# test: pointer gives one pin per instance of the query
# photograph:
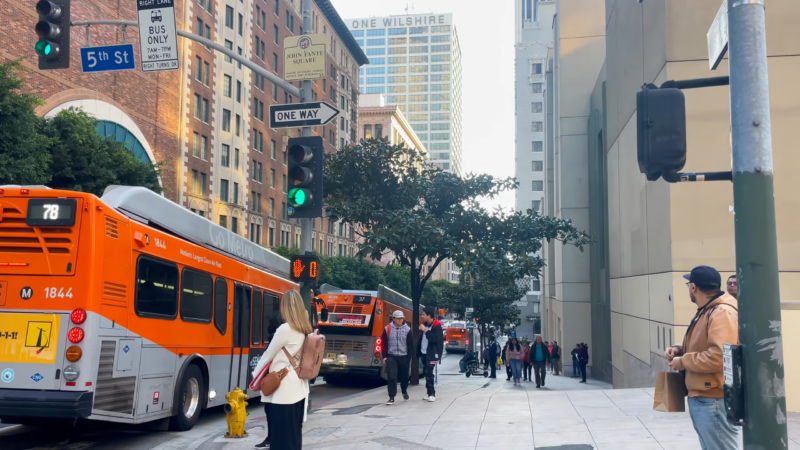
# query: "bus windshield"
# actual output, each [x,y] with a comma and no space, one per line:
[348,314]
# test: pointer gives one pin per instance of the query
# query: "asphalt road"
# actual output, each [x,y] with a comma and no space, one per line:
[108,436]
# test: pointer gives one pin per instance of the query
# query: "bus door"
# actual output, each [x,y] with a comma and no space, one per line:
[256,348]
[241,334]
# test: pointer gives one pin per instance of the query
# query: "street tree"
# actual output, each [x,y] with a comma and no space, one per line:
[422,216]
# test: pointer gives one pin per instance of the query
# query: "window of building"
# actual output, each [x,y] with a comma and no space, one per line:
[272,178]
[367,131]
[229,17]
[397,89]
[440,38]
[398,60]
[198,107]
[440,58]
[537,107]
[223,191]
[440,48]
[275,62]
[238,125]
[205,110]
[418,87]
[376,41]
[272,149]
[397,31]
[440,67]
[440,126]
[537,126]
[198,69]
[536,205]
[417,30]
[204,148]
[156,288]
[225,155]
[537,185]
[196,145]
[376,32]
[376,51]
[197,301]
[223,221]
[396,51]
[418,49]
[537,146]
[440,77]
[229,46]
[375,90]
[226,120]
[236,193]
[379,131]
[271,213]
[235,225]
[376,80]
[397,41]
[240,25]
[203,184]
[537,88]
[440,97]
[376,70]
[441,29]
[537,166]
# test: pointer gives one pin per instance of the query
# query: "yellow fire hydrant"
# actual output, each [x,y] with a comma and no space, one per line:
[236,413]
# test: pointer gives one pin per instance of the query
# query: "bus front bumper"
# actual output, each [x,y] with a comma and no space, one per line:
[45,404]
[350,370]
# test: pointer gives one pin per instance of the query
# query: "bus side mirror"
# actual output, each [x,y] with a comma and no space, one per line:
[324,314]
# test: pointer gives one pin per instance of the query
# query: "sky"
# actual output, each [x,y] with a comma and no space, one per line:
[486,36]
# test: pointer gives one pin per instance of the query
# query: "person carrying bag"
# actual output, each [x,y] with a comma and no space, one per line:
[283,372]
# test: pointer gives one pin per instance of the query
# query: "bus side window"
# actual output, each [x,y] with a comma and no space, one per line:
[256,329]
[197,302]
[272,317]
[156,288]
[221,305]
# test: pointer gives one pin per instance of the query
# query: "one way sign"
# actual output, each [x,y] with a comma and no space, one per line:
[301,115]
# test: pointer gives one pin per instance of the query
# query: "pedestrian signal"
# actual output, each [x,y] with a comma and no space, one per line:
[661,128]
[304,268]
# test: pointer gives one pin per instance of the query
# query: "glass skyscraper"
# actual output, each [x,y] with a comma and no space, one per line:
[415,61]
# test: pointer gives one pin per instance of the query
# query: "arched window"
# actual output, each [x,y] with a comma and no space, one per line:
[121,134]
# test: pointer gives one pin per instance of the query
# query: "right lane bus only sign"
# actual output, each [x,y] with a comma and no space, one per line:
[158,40]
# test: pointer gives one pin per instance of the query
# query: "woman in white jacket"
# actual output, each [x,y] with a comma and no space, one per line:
[286,407]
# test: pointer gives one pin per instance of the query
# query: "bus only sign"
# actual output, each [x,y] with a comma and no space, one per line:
[304,268]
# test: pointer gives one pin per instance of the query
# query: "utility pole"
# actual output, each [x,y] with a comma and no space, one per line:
[471,316]
[756,242]
[305,222]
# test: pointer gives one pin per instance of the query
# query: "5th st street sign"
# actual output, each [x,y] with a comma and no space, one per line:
[301,115]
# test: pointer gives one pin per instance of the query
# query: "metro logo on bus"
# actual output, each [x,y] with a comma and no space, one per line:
[304,268]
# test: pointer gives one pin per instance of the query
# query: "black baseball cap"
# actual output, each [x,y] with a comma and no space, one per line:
[704,277]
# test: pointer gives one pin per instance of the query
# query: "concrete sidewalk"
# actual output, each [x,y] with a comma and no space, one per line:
[479,413]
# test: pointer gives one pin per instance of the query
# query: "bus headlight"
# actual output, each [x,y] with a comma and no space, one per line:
[71,372]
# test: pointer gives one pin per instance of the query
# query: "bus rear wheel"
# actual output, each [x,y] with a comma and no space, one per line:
[191,399]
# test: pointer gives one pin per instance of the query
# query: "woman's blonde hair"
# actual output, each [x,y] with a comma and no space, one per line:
[293,312]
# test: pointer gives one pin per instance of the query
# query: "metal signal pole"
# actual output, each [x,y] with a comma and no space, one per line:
[306,243]
[756,241]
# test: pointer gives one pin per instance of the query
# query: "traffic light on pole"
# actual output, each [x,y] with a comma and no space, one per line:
[661,146]
[305,177]
[53,31]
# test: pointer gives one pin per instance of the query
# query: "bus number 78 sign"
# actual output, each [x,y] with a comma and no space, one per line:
[304,268]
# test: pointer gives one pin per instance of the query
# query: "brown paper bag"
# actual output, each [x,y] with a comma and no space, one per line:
[670,392]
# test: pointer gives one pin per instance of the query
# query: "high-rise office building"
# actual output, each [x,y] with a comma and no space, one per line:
[415,60]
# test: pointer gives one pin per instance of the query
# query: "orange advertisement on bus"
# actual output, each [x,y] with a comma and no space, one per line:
[127,308]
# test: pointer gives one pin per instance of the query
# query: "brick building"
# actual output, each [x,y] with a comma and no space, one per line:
[206,123]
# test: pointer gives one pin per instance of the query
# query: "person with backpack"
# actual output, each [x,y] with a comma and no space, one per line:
[292,358]
[396,354]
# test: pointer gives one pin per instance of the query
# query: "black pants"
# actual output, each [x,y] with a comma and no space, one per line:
[397,366]
[429,378]
[285,424]
[583,370]
[526,370]
[493,368]
[508,371]
[539,371]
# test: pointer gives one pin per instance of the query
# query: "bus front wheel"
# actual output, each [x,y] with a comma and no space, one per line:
[191,399]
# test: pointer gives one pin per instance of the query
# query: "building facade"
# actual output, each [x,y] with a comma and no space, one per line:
[415,60]
[626,296]
[533,37]
[207,123]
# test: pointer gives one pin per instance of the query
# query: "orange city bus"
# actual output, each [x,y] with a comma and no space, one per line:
[127,308]
[353,328]
[456,337]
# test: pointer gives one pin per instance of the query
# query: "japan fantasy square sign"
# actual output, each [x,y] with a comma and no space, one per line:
[158,39]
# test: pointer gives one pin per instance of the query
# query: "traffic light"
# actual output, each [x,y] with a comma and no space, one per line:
[661,118]
[305,177]
[53,31]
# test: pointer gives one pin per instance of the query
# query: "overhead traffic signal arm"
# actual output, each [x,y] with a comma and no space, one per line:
[661,131]
[53,30]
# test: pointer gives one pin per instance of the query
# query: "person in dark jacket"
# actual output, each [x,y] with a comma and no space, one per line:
[575,364]
[430,348]
[396,351]
[494,349]
[583,359]
[506,361]
[540,356]
[555,357]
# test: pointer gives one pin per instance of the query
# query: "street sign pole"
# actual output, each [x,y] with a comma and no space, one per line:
[305,222]
[756,242]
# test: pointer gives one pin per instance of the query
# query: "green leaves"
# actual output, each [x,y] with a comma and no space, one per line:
[423,215]
[62,152]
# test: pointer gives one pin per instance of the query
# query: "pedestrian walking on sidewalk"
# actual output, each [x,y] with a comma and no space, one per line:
[506,361]
[540,357]
[526,362]
[494,352]
[583,360]
[550,350]
[396,354]
[514,356]
[430,348]
[555,357]
[286,407]
[576,367]
[700,358]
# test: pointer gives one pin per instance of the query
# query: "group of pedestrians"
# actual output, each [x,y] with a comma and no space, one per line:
[580,357]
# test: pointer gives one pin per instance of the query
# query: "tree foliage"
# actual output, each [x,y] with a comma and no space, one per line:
[421,214]
[64,151]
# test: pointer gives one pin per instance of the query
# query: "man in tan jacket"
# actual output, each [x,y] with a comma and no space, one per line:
[700,358]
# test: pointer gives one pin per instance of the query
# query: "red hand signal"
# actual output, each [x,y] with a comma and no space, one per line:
[298,268]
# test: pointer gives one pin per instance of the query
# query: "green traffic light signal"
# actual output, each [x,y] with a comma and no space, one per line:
[298,197]
[43,48]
